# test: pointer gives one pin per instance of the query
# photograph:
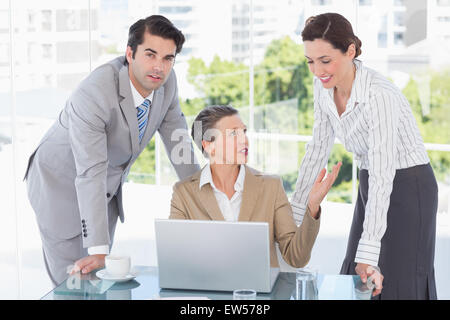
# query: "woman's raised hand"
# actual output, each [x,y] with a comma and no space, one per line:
[321,187]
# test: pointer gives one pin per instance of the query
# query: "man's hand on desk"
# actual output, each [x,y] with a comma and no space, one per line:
[89,263]
[321,187]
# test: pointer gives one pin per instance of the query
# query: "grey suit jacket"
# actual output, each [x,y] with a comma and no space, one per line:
[76,173]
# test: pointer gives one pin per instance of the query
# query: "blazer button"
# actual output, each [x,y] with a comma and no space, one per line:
[85,235]
[83,221]
[84,230]
[108,195]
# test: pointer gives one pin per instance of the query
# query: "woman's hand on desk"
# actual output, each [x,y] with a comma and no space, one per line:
[321,187]
[89,263]
[365,271]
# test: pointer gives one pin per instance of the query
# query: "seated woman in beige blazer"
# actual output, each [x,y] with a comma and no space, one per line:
[227,189]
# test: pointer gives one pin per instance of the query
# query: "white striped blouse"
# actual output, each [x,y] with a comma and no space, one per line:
[379,128]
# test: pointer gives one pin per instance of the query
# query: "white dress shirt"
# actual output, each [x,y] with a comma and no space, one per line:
[379,128]
[138,100]
[230,208]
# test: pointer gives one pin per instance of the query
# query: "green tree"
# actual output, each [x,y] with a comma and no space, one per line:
[283,75]
[285,72]
[435,124]
[143,169]
[222,82]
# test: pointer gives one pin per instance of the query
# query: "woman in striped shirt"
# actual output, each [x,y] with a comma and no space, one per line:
[392,236]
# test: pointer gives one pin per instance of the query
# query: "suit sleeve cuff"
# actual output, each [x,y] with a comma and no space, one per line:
[368,252]
[98,250]
[309,220]
[309,212]
[298,211]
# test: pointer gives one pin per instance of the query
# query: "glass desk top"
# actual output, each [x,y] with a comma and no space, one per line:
[146,287]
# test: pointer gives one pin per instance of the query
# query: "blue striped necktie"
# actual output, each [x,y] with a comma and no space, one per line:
[142,116]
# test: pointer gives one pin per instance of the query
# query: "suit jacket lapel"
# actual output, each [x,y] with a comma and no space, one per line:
[207,198]
[252,187]
[128,108]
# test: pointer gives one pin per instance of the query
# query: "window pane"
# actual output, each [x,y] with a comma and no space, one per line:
[342,187]
[8,253]
[398,38]
[443,3]
[399,19]
[51,57]
[407,41]
[365,2]
[273,155]
[414,55]
[321,2]
[283,89]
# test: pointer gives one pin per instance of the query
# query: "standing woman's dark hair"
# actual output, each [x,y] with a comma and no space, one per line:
[334,28]
[156,25]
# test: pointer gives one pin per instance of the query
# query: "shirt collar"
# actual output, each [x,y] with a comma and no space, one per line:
[360,88]
[137,98]
[206,177]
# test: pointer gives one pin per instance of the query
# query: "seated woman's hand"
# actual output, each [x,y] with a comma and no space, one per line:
[321,187]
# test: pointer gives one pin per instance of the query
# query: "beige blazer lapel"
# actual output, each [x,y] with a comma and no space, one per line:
[252,188]
[128,108]
[207,198]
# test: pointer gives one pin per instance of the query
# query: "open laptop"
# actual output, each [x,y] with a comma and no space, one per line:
[214,255]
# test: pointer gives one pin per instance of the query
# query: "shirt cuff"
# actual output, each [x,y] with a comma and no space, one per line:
[318,213]
[98,250]
[368,252]
[298,211]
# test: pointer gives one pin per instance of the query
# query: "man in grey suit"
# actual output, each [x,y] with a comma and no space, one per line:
[75,176]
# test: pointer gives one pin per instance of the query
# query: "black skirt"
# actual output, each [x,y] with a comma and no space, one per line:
[407,248]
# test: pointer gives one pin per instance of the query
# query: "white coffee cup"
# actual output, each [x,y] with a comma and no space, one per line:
[118,266]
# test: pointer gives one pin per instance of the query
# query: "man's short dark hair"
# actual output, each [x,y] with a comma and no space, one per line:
[208,118]
[158,26]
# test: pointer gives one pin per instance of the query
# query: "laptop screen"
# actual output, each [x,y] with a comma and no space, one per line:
[213,255]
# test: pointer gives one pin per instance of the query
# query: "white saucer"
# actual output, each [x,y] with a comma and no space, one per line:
[102,274]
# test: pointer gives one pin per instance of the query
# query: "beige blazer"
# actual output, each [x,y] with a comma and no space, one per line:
[263,200]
